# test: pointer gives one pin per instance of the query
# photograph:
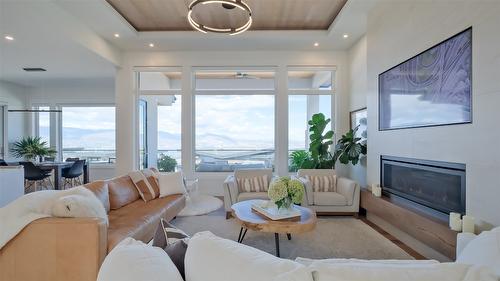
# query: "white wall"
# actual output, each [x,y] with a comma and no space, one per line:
[74,91]
[357,87]
[398,30]
[14,96]
[212,183]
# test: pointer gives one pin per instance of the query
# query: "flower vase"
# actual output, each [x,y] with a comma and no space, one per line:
[286,206]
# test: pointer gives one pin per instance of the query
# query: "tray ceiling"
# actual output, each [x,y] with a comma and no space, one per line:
[170,15]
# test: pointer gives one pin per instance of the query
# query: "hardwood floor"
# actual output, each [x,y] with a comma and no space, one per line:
[394,240]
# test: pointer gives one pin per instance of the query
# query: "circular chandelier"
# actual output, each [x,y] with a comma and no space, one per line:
[228,4]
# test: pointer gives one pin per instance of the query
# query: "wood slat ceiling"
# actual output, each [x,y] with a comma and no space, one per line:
[170,15]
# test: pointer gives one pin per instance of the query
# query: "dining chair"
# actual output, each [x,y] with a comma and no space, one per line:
[72,159]
[34,175]
[72,174]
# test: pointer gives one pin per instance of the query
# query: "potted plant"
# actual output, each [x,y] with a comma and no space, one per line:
[31,148]
[350,148]
[318,156]
[166,163]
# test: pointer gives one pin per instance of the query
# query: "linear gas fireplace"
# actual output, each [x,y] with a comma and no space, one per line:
[431,186]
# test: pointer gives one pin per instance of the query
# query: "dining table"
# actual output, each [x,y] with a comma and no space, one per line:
[57,168]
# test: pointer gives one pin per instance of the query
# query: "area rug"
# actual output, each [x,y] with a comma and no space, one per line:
[334,237]
[200,204]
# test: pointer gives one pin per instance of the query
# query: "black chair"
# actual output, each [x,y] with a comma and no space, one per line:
[72,159]
[3,163]
[34,175]
[72,175]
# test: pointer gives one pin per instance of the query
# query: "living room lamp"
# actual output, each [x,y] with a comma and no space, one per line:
[228,4]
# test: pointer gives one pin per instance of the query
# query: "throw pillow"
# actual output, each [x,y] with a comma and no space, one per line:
[133,260]
[173,241]
[253,184]
[79,206]
[323,183]
[177,253]
[171,183]
[167,233]
[152,178]
[146,191]
[483,250]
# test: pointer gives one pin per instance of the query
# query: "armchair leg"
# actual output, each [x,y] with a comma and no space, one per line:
[228,215]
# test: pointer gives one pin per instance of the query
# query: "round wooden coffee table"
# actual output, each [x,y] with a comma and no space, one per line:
[252,220]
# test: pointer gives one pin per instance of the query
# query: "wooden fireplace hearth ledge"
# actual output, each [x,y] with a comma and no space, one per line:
[426,229]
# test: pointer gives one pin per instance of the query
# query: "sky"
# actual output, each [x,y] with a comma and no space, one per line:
[244,122]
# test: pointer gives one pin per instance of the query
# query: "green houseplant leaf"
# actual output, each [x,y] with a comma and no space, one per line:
[350,148]
[31,147]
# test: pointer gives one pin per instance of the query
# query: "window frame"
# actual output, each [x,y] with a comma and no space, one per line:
[233,92]
[5,128]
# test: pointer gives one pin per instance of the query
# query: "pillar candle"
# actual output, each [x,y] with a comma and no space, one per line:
[455,222]
[468,224]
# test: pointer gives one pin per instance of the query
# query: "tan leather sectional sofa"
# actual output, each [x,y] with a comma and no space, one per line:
[58,249]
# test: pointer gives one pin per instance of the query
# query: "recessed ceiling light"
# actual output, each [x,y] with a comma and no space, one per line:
[151,45]
[8,37]
[346,35]
[117,35]
[316,44]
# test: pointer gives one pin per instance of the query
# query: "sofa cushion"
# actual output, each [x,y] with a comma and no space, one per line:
[211,258]
[122,191]
[140,219]
[367,271]
[133,260]
[101,191]
[483,250]
[329,199]
[253,184]
[323,183]
[252,195]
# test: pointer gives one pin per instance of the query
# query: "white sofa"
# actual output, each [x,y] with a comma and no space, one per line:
[344,201]
[211,258]
[232,192]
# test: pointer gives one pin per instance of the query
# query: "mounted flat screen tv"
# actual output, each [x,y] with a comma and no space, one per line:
[432,88]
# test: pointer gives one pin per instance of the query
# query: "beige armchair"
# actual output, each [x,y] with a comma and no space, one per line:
[327,193]
[246,185]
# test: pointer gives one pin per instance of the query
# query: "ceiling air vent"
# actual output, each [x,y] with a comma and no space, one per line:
[34,69]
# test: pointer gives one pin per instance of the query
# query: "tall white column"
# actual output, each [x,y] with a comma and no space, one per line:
[281,122]
[126,122]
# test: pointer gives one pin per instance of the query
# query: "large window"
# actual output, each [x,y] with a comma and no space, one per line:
[2,130]
[43,124]
[160,119]
[310,92]
[169,133]
[89,133]
[234,120]
[233,132]
[301,108]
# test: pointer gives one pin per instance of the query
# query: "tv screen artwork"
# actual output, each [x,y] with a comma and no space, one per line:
[433,88]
